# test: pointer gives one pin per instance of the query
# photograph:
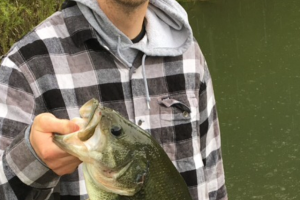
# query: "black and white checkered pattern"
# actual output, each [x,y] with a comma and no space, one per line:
[60,65]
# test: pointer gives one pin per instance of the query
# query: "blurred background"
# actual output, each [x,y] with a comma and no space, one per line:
[17,17]
[252,48]
[253,52]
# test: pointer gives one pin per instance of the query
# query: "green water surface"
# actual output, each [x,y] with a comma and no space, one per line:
[253,51]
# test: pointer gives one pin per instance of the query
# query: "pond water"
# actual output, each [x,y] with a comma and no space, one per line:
[253,51]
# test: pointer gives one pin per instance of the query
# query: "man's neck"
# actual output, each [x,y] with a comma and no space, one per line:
[128,19]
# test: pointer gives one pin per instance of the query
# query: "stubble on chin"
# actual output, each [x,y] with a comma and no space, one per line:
[130,3]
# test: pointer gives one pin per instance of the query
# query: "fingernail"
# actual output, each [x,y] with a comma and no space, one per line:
[75,127]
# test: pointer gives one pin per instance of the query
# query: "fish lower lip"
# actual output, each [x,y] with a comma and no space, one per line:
[116,172]
[107,179]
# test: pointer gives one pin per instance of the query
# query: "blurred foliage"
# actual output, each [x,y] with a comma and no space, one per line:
[18,17]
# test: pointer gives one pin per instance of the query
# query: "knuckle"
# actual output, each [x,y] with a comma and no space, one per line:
[44,118]
[43,155]
[63,170]
[47,155]
[51,165]
[70,170]
[54,166]
[41,120]
[58,172]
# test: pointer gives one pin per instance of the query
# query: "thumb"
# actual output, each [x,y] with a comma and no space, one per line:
[67,126]
[48,123]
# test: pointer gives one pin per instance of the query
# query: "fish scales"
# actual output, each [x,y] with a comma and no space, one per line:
[121,160]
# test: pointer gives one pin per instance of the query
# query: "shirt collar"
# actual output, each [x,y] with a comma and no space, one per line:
[78,27]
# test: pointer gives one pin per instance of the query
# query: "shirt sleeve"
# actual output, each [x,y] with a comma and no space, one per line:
[211,140]
[22,174]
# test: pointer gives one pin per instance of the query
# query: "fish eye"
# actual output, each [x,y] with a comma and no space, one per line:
[116,130]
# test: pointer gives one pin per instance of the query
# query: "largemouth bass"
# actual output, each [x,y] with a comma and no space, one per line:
[121,160]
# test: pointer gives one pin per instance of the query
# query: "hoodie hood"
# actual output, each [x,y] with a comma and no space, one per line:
[168,32]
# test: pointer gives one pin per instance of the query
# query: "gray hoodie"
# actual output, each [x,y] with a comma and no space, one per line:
[168,32]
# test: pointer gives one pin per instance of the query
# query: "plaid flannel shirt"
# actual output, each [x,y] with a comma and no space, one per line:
[60,65]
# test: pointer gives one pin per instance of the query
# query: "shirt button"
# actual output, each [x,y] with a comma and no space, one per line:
[140,122]
[185,114]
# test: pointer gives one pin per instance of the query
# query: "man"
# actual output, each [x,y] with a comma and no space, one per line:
[134,56]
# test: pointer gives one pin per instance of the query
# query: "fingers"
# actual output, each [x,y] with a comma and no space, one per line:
[64,165]
[51,152]
[41,138]
[48,123]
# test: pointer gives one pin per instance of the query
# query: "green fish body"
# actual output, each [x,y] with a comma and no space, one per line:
[121,160]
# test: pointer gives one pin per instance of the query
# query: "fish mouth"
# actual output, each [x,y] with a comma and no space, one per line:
[116,172]
[90,111]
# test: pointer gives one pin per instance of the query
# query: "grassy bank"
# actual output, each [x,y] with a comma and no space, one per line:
[20,16]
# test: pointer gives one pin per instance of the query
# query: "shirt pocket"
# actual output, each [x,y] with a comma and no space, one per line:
[178,107]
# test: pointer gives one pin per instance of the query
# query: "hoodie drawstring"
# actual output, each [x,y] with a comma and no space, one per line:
[119,52]
[148,99]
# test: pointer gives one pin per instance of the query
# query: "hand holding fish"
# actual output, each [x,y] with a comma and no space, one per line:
[120,159]
[41,138]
